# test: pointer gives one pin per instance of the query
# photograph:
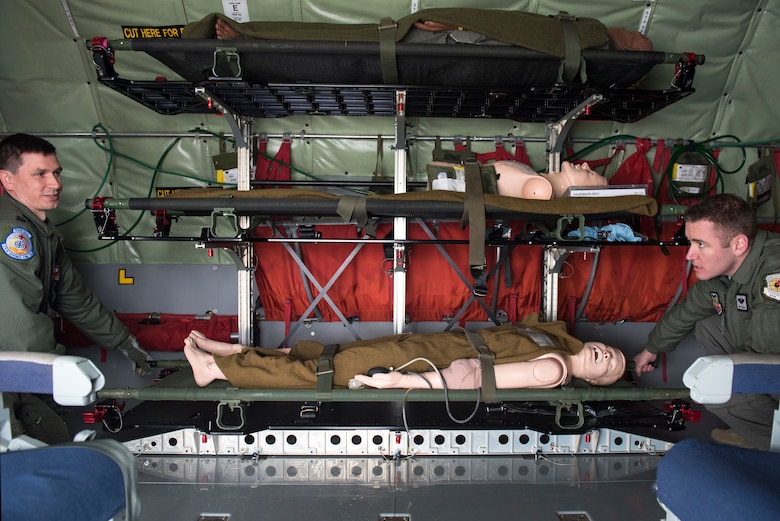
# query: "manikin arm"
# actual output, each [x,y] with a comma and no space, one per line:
[544,372]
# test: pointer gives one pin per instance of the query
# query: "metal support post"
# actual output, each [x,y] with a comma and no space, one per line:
[242,132]
[245,281]
[552,259]
[399,223]
[556,132]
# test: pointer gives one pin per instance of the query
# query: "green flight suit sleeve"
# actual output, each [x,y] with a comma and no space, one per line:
[77,304]
[681,319]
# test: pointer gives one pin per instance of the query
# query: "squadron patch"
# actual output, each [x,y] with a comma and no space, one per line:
[742,302]
[18,244]
[772,286]
[716,302]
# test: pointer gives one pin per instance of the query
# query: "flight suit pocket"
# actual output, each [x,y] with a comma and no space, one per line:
[762,329]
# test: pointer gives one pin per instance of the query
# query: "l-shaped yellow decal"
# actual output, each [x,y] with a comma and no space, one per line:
[124,279]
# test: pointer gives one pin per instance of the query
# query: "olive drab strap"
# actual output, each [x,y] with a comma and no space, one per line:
[387,30]
[353,208]
[474,216]
[325,372]
[571,42]
[379,169]
[485,357]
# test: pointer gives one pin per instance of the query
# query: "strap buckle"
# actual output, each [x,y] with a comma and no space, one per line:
[227,63]
[387,23]
[309,410]
[325,367]
[564,15]
[233,406]
[580,421]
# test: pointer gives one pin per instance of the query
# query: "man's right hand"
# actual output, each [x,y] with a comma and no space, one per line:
[644,362]
[137,356]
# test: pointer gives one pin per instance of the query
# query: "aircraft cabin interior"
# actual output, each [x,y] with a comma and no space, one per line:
[421,260]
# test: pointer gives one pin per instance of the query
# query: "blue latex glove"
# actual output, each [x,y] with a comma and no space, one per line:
[618,232]
[591,233]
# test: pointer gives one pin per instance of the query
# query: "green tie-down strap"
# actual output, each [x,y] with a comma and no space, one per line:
[353,208]
[571,41]
[325,372]
[485,357]
[387,29]
[474,217]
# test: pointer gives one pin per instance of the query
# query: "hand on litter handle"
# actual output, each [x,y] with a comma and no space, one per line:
[138,357]
[644,362]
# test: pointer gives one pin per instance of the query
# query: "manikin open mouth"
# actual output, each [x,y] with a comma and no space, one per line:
[597,354]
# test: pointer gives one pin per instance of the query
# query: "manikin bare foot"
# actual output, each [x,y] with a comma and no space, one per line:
[204,369]
[215,347]
[224,31]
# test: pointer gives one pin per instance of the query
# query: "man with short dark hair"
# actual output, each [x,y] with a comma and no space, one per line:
[37,279]
[733,307]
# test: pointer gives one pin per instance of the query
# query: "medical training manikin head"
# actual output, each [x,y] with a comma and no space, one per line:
[574,175]
[598,364]
[517,179]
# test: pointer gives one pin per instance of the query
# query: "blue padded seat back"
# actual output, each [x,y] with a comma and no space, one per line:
[26,377]
[697,480]
[755,379]
[58,483]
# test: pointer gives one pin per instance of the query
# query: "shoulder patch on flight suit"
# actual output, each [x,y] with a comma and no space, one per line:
[771,288]
[716,302]
[18,244]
